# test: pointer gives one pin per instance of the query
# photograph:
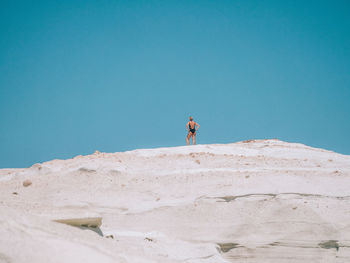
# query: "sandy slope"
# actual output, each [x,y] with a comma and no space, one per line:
[257,201]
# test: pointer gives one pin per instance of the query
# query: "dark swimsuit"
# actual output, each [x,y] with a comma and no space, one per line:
[192,130]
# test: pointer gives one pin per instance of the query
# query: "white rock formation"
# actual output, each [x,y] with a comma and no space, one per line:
[255,201]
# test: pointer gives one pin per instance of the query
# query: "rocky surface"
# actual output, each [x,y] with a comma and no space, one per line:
[254,201]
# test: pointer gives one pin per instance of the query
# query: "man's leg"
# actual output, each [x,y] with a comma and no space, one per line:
[194,139]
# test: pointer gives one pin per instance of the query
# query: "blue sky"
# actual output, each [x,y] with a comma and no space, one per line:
[80,76]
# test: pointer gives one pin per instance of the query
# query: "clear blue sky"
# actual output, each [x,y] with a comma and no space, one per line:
[80,76]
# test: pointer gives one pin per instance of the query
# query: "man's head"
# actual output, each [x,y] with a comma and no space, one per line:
[191,119]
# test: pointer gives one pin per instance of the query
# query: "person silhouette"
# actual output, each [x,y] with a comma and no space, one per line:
[191,127]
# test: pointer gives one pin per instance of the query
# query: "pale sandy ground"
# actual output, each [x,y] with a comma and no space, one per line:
[258,201]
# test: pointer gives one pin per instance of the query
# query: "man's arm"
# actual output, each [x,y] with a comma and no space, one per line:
[187,126]
[197,125]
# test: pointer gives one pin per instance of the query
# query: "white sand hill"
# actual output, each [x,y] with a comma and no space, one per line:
[255,201]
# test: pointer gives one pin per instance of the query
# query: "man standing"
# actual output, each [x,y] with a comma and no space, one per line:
[191,127]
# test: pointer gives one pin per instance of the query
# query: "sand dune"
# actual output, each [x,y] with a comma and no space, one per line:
[254,201]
